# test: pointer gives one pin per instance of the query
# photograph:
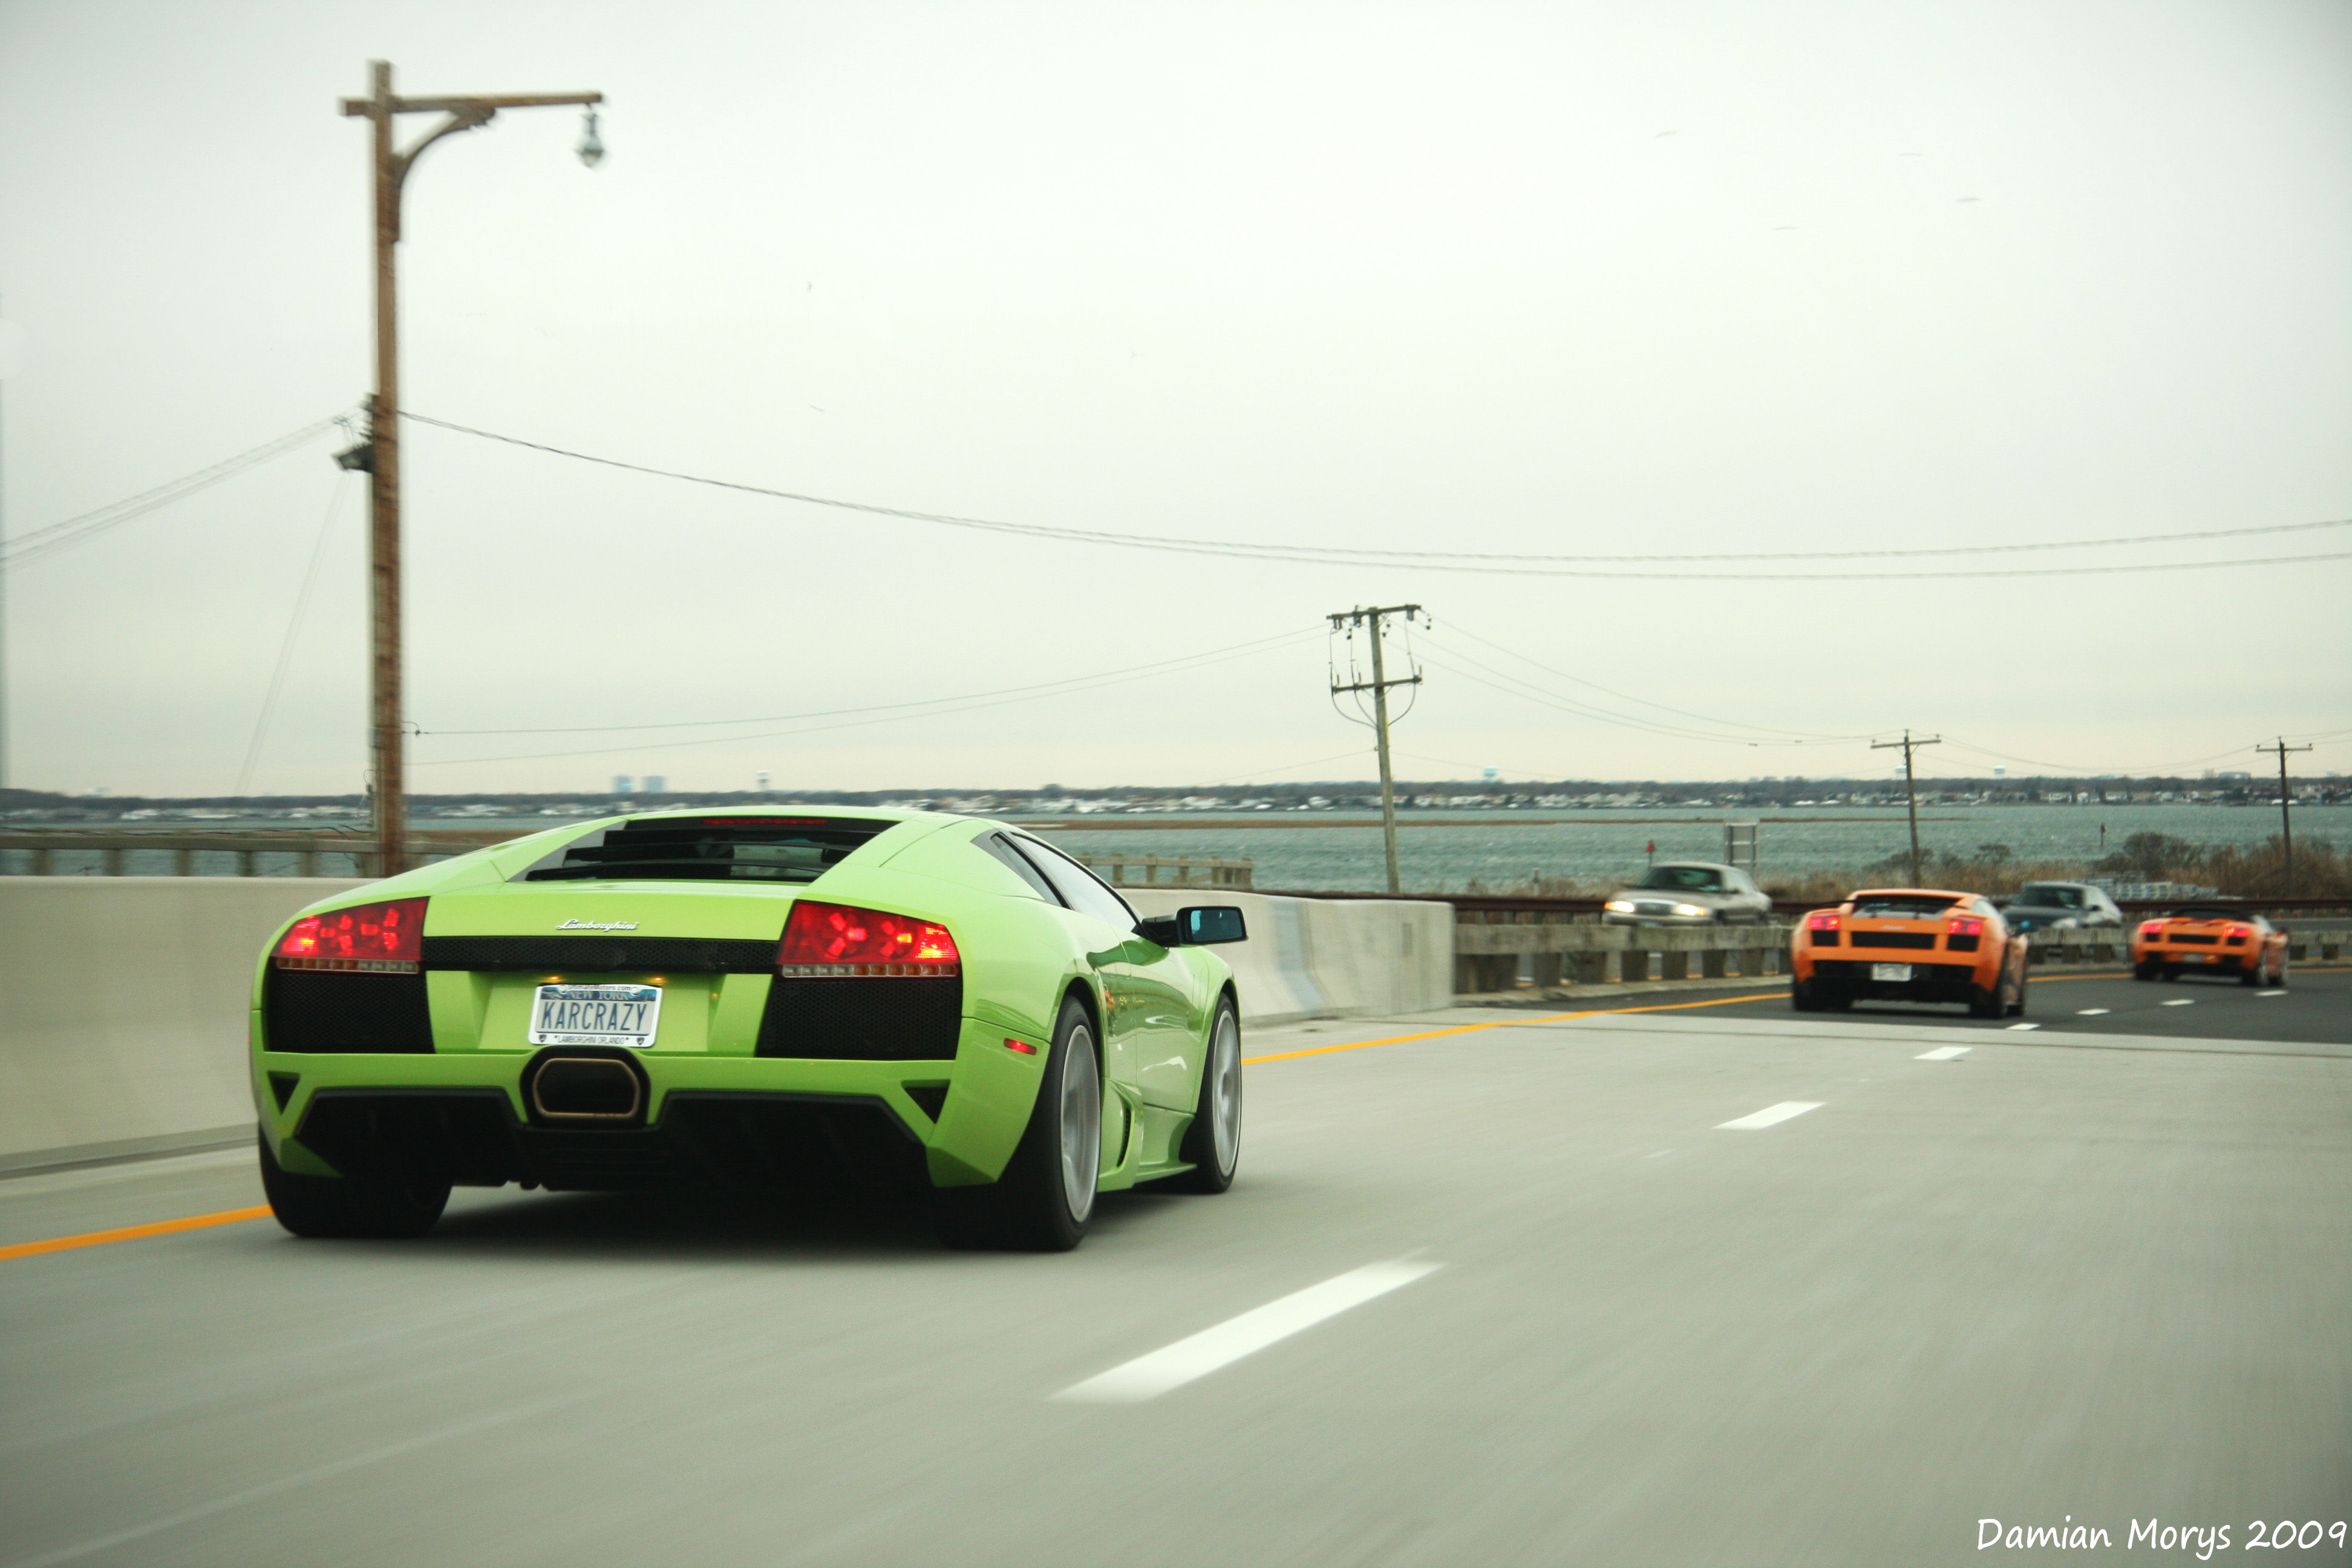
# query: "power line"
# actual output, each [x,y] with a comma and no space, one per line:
[951,705]
[1162,664]
[80,530]
[1644,701]
[1453,561]
[286,646]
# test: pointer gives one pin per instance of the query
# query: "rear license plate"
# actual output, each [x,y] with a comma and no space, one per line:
[2209,958]
[1890,972]
[595,1016]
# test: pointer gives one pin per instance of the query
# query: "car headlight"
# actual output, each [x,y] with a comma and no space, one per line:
[1688,910]
[1618,906]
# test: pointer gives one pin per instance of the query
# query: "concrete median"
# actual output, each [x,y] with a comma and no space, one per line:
[126,1010]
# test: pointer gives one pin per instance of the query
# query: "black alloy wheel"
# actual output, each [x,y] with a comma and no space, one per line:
[349,1207]
[1045,1197]
[1214,1142]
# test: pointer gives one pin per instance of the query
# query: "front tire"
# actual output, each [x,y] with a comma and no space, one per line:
[1213,1142]
[347,1206]
[1045,1197]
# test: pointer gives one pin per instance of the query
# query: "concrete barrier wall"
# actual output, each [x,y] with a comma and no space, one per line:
[122,999]
[1316,958]
[122,1009]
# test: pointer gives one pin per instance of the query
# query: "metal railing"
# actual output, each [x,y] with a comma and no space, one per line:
[1183,870]
[137,854]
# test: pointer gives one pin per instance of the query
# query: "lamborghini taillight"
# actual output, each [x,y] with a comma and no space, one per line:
[841,940]
[2151,928]
[1968,925]
[367,939]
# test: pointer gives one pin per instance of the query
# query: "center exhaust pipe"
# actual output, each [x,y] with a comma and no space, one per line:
[571,1087]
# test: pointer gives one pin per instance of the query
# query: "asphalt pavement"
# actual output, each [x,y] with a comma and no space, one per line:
[1707,1283]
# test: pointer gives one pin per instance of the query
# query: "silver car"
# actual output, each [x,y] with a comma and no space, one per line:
[1689,893]
[2060,906]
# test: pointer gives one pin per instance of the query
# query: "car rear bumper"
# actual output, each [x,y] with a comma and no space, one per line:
[2229,961]
[1929,981]
[700,1119]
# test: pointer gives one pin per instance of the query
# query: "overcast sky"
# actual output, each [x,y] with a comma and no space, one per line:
[1631,278]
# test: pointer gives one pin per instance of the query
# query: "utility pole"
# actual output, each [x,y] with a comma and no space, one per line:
[1378,686]
[1910,789]
[383,108]
[2286,822]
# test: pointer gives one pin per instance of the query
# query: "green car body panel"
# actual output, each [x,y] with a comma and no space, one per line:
[1021,955]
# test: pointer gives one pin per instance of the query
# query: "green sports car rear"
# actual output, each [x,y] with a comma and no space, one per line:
[749,999]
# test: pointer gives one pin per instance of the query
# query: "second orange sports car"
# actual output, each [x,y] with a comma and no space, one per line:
[2207,938]
[1908,944]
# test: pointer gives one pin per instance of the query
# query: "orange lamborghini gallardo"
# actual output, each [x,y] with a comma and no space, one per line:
[1908,944]
[2202,939]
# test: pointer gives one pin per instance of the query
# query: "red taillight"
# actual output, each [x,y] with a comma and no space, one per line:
[1821,922]
[840,940]
[1967,926]
[2240,933]
[378,939]
[2151,928]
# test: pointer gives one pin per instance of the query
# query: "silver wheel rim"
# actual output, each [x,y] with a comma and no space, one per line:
[1081,1123]
[1226,1091]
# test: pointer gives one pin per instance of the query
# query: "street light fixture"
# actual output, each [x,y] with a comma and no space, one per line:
[383,108]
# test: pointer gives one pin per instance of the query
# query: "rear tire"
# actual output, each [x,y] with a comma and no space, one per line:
[1985,1003]
[346,1206]
[1213,1142]
[1045,1197]
[2143,972]
[1802,999]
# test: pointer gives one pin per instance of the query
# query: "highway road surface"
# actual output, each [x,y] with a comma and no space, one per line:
[1707,1283]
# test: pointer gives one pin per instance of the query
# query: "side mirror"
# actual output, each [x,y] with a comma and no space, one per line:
[1203,925]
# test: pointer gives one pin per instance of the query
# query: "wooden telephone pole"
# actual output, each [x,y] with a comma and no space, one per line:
[1910,790]
[1379,687]
[382,108]
[2286,822]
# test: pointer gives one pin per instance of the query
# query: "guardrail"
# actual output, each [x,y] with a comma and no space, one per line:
[76,853]
[1184,871]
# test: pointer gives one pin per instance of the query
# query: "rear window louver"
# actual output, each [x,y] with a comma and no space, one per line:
[788,850]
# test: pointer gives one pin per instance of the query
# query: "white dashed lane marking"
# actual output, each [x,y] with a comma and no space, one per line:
[2270,992]
[1770,1116]
[2180,1001]
[2025,1025]
[2089,1012]
[1944,1054]
[1150,1376]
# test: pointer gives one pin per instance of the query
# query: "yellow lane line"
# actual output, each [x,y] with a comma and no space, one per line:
[1505,1024]
[131,1232]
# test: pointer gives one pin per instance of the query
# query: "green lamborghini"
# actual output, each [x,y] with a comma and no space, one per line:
[759,999]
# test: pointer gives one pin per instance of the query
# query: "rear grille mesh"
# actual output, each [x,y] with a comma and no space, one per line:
[2198,941]
[897,1019]
[324,1011]
[604,955]
[1891,938]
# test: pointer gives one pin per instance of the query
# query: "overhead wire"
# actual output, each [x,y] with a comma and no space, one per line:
[1453,561]
[286,644]
[1646,703]
[1168,665]
[61,536]
[961,706]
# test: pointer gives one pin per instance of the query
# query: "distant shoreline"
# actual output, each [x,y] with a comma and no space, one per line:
[1113,824]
